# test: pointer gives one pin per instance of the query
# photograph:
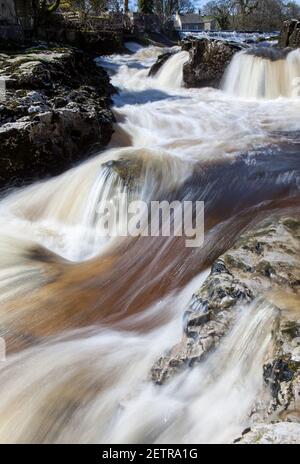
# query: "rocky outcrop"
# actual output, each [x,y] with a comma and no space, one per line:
[290,34]
[262,260]
[56,107]
[208,61]
[264,264]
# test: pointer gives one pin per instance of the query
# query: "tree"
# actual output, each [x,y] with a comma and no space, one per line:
[146,6]
[220,10]
[292,10]
[167,8]
[268,16]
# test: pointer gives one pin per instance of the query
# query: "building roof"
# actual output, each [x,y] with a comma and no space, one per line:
[193,18]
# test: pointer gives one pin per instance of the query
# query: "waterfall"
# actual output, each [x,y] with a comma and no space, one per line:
[262,74]
[85,317]
[171,73]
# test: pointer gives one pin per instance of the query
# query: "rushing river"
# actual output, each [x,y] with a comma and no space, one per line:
[85,316]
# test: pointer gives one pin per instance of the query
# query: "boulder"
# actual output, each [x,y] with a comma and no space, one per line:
[290,34]
[208,61]
[56,107]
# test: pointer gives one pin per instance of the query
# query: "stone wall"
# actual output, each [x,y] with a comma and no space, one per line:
[98,43]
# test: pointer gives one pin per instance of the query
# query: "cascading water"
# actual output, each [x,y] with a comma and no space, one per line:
[171,73]
[85,317]
[264,73]
[102,377]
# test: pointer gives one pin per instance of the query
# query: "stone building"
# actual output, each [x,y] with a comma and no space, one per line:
[192,22]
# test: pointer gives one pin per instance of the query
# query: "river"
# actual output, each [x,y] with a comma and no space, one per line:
[85,316]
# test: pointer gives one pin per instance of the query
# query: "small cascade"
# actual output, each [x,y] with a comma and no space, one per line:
[171,73]
[264,74]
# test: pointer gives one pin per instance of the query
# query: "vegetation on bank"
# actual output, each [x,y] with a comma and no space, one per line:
[230,14]
[263,15]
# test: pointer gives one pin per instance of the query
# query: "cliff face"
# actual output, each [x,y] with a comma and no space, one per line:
[290,34]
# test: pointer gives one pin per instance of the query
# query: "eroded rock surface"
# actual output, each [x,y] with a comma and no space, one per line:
[56,107]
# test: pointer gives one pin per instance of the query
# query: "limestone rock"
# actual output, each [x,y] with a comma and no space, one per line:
[283,433]
[262,261]
[57,106]
[208,61]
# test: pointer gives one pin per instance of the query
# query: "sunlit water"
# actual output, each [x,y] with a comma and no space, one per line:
[85,316]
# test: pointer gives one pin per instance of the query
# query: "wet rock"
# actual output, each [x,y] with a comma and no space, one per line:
[269,53]
[57,106]
[208,61]
[263,260]
[290,34]
[128,170]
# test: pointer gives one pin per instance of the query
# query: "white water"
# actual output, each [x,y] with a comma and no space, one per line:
[250,76]
[232,36]
[91,384]
[99,379]
[170,75]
